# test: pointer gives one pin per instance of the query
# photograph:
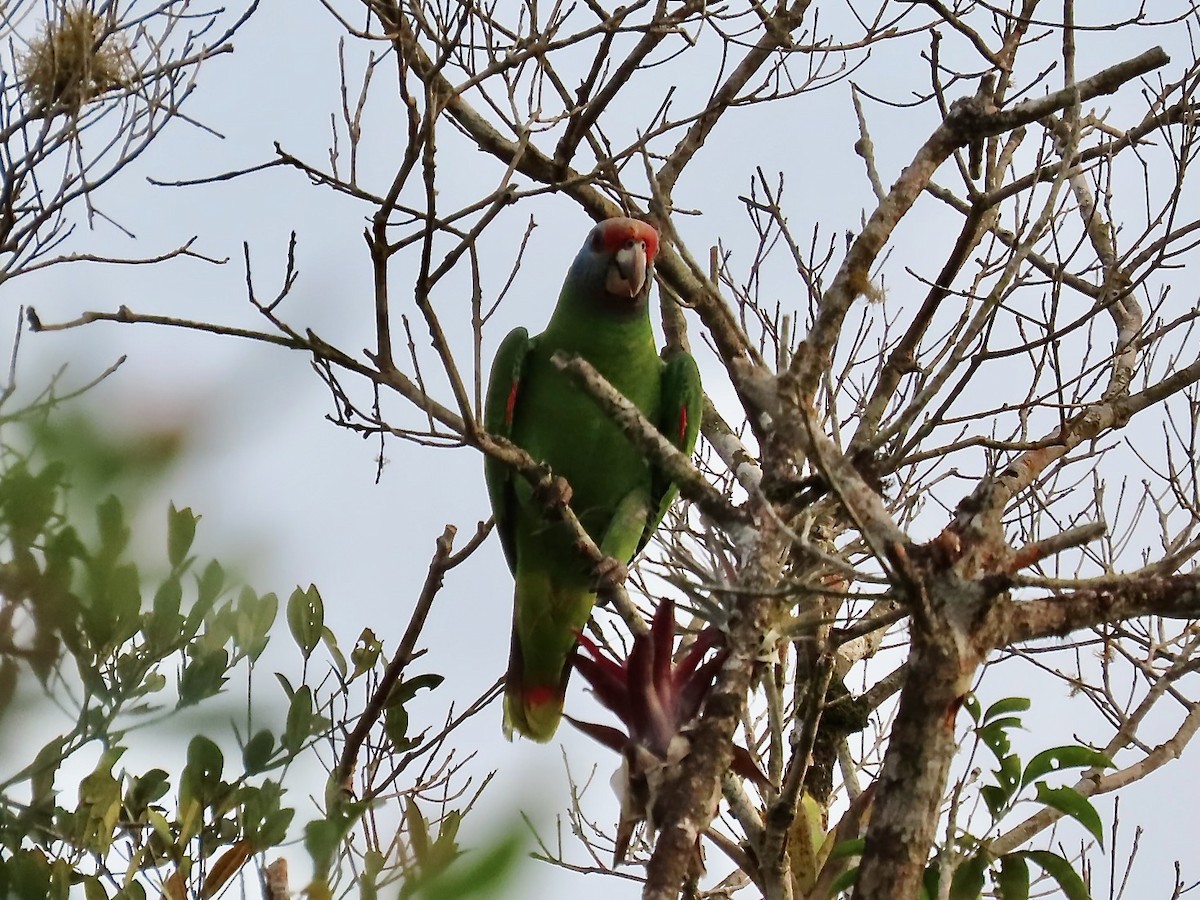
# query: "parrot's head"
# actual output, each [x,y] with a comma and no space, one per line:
[615,263]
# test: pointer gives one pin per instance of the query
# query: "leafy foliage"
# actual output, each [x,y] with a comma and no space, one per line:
[125,644]
[969,860]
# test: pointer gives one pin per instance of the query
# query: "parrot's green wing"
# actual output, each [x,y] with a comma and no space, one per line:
[499,405]
[680,410]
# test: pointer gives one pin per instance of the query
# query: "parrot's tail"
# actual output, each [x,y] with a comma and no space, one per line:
[531,710]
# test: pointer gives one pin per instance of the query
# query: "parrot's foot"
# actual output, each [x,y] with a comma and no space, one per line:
[611,573]
[554,492]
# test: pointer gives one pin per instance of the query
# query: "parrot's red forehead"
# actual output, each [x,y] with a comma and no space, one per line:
[614,233]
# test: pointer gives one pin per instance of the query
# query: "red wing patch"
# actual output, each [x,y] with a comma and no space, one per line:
[511,404]
[683,423]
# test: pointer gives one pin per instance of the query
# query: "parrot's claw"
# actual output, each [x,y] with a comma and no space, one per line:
[611,572]
[553,492]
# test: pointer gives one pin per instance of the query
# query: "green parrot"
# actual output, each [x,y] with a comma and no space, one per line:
[602,316]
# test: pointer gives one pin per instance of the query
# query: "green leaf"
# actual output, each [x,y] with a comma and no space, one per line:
[8,683]
[210,584]
[995,735]
[417,831]
[996,798]
[201,778]
[395,716]
[1058,758]
[181,531]
[366,653]
[481,874]
[1069,801]
[404,691]
[1060,870]
[852,847]
[203,677]
[844,882]
[967,883]
[275,827]
[253,620]
[306,618]
[1006,706]
[373,863]
[971,705]
[163,624]
[335,652]
[44,768]
[299,719]
[257,753]
[93,889]
[114,533]
[323,836]
[931,881]
[100,804]
[146,789]
[1012,881]
[27,874]
[27,501]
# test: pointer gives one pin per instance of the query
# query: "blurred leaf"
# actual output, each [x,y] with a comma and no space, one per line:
[114,533]
[257,753]
[967,883]
[227,865]
[146,789]
[335,652]
[852,847]
[1060,870]
[366,653]
[844,882]
[805,838]
[1058,758]
[1005,706]
[201,778]
[306,618]
[255,616]
[26,875]
[8,683]
[163,625]
[210,584]
[323,837]
[44,768]
[181,532]
[93,889]
[28,500]
[480,873]
[395,716]
[995,735]
[1070,802]
[971,705]
[1012,881]
[996,798]
[299,719]
[204,676]
[100,803]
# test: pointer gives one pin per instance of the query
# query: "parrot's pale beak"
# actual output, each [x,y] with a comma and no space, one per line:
[627,275]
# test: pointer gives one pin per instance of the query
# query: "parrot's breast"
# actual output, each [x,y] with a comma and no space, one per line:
[561,426]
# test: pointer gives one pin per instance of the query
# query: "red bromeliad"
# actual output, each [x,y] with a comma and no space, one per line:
[658,700]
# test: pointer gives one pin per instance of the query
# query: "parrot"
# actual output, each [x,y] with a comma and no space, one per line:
[620,497]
